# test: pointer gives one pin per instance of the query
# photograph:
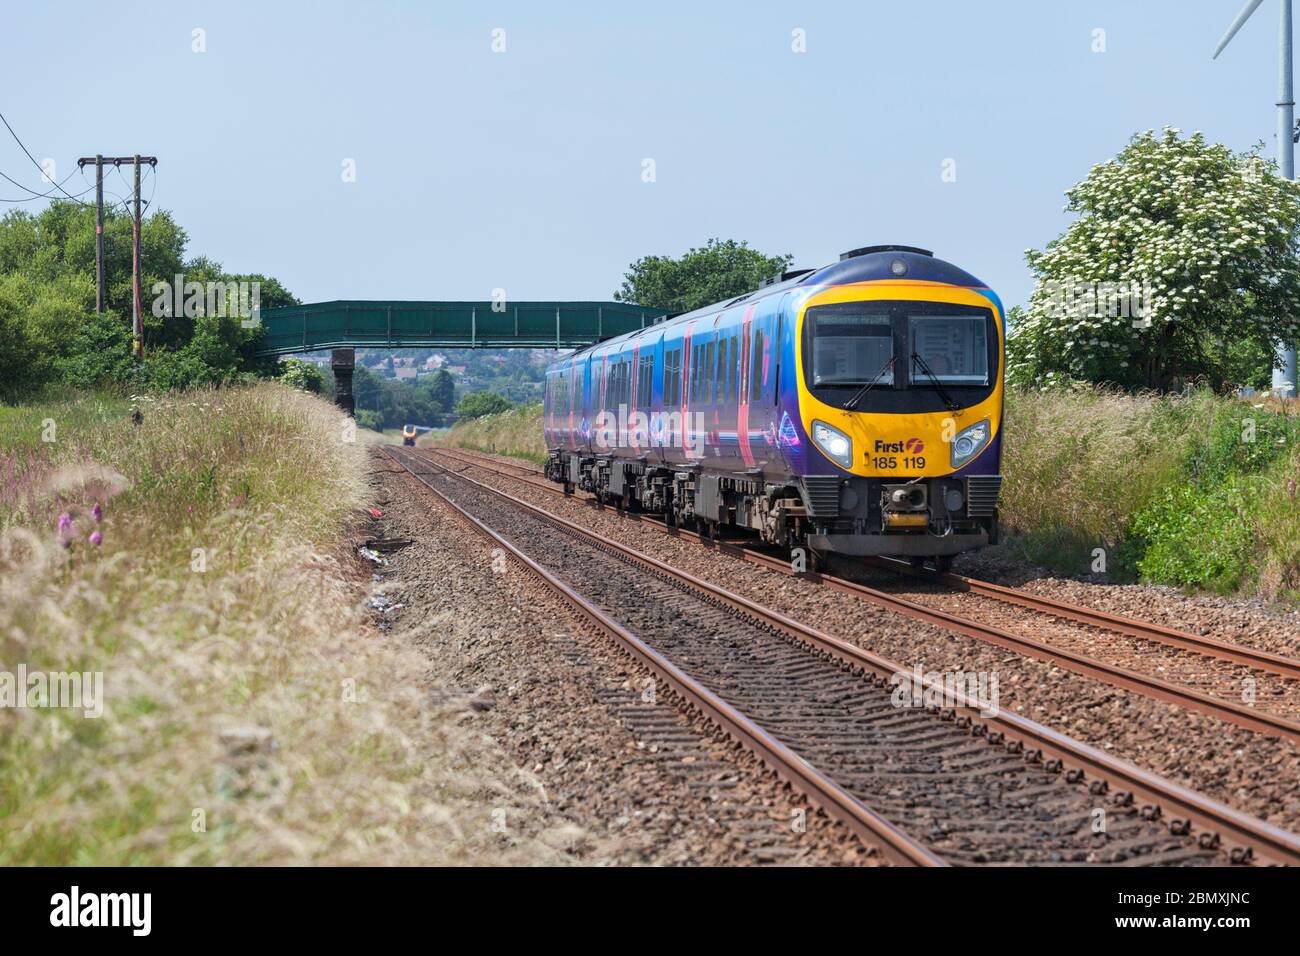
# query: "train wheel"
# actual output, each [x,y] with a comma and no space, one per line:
[943,563]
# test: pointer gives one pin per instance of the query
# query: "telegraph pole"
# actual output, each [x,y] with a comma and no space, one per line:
[99,234]
[137,314]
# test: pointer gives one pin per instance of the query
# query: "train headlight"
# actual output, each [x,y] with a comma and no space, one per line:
[969,443]
[834,442]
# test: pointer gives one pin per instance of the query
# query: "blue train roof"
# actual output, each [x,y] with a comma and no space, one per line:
[868,264]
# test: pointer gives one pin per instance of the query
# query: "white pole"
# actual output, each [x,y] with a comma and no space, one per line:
[1284,378]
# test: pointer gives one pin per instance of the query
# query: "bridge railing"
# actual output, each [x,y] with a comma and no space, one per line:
[407,324]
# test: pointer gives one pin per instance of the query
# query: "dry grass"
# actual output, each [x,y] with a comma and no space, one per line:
[517,433]
[251,696]
[1079,464]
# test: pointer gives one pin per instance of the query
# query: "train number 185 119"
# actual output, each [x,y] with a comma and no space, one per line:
[890,462]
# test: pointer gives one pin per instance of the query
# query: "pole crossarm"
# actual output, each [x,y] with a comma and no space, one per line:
[116,160]
[419,324]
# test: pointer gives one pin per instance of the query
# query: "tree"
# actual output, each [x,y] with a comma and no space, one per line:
[482,403]
[304,375]
[715,271]
[1182,265]
[47,284]
[442,391]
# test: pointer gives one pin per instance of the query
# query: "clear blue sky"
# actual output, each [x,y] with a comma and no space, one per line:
[522,170]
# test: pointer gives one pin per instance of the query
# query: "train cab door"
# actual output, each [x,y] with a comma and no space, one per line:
[764,369]
[585,408]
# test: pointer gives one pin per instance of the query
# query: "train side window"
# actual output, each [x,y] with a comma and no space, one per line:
[710,360]
[732,362]
[756,372]
[647,379]
[722,370]
[668,378]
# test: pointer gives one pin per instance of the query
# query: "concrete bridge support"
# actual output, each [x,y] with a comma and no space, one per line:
[342,361]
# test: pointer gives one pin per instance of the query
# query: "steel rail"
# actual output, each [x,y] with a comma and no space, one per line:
[1210,647]
[1278,664]
[1147,685]
[869,826]
[1214,820]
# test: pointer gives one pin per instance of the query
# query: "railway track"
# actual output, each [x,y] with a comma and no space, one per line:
[1211,674]
[951,782]
[1209,682]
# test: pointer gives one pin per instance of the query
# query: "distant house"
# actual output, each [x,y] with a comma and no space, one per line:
[405,372]
[456,369]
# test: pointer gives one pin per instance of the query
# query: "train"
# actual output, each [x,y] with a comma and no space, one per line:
[852,410]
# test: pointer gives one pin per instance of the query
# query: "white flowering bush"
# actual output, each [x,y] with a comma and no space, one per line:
[1181,266]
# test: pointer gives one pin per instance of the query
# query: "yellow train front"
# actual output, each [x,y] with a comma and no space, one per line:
[854,409]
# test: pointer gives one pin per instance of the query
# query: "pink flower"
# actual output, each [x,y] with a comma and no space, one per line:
[97,513]
[96,539]
[65,522]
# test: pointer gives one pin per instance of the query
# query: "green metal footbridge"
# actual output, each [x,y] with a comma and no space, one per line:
[398,324]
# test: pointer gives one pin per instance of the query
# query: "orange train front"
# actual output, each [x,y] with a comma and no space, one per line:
[854,409]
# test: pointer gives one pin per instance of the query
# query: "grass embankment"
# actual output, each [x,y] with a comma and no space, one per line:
[251,715]
[1194,490]
[517,433]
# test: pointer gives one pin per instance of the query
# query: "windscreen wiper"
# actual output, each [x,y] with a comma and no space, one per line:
[938,386]
[862,392]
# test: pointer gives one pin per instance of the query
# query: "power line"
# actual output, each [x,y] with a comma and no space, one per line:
[35,195]
[33,159]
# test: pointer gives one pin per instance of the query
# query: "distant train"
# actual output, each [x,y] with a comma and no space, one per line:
[854,409]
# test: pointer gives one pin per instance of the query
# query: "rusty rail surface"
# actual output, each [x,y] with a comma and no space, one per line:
[873,829]
[1210,819]
[1231,711]
[1207,646]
